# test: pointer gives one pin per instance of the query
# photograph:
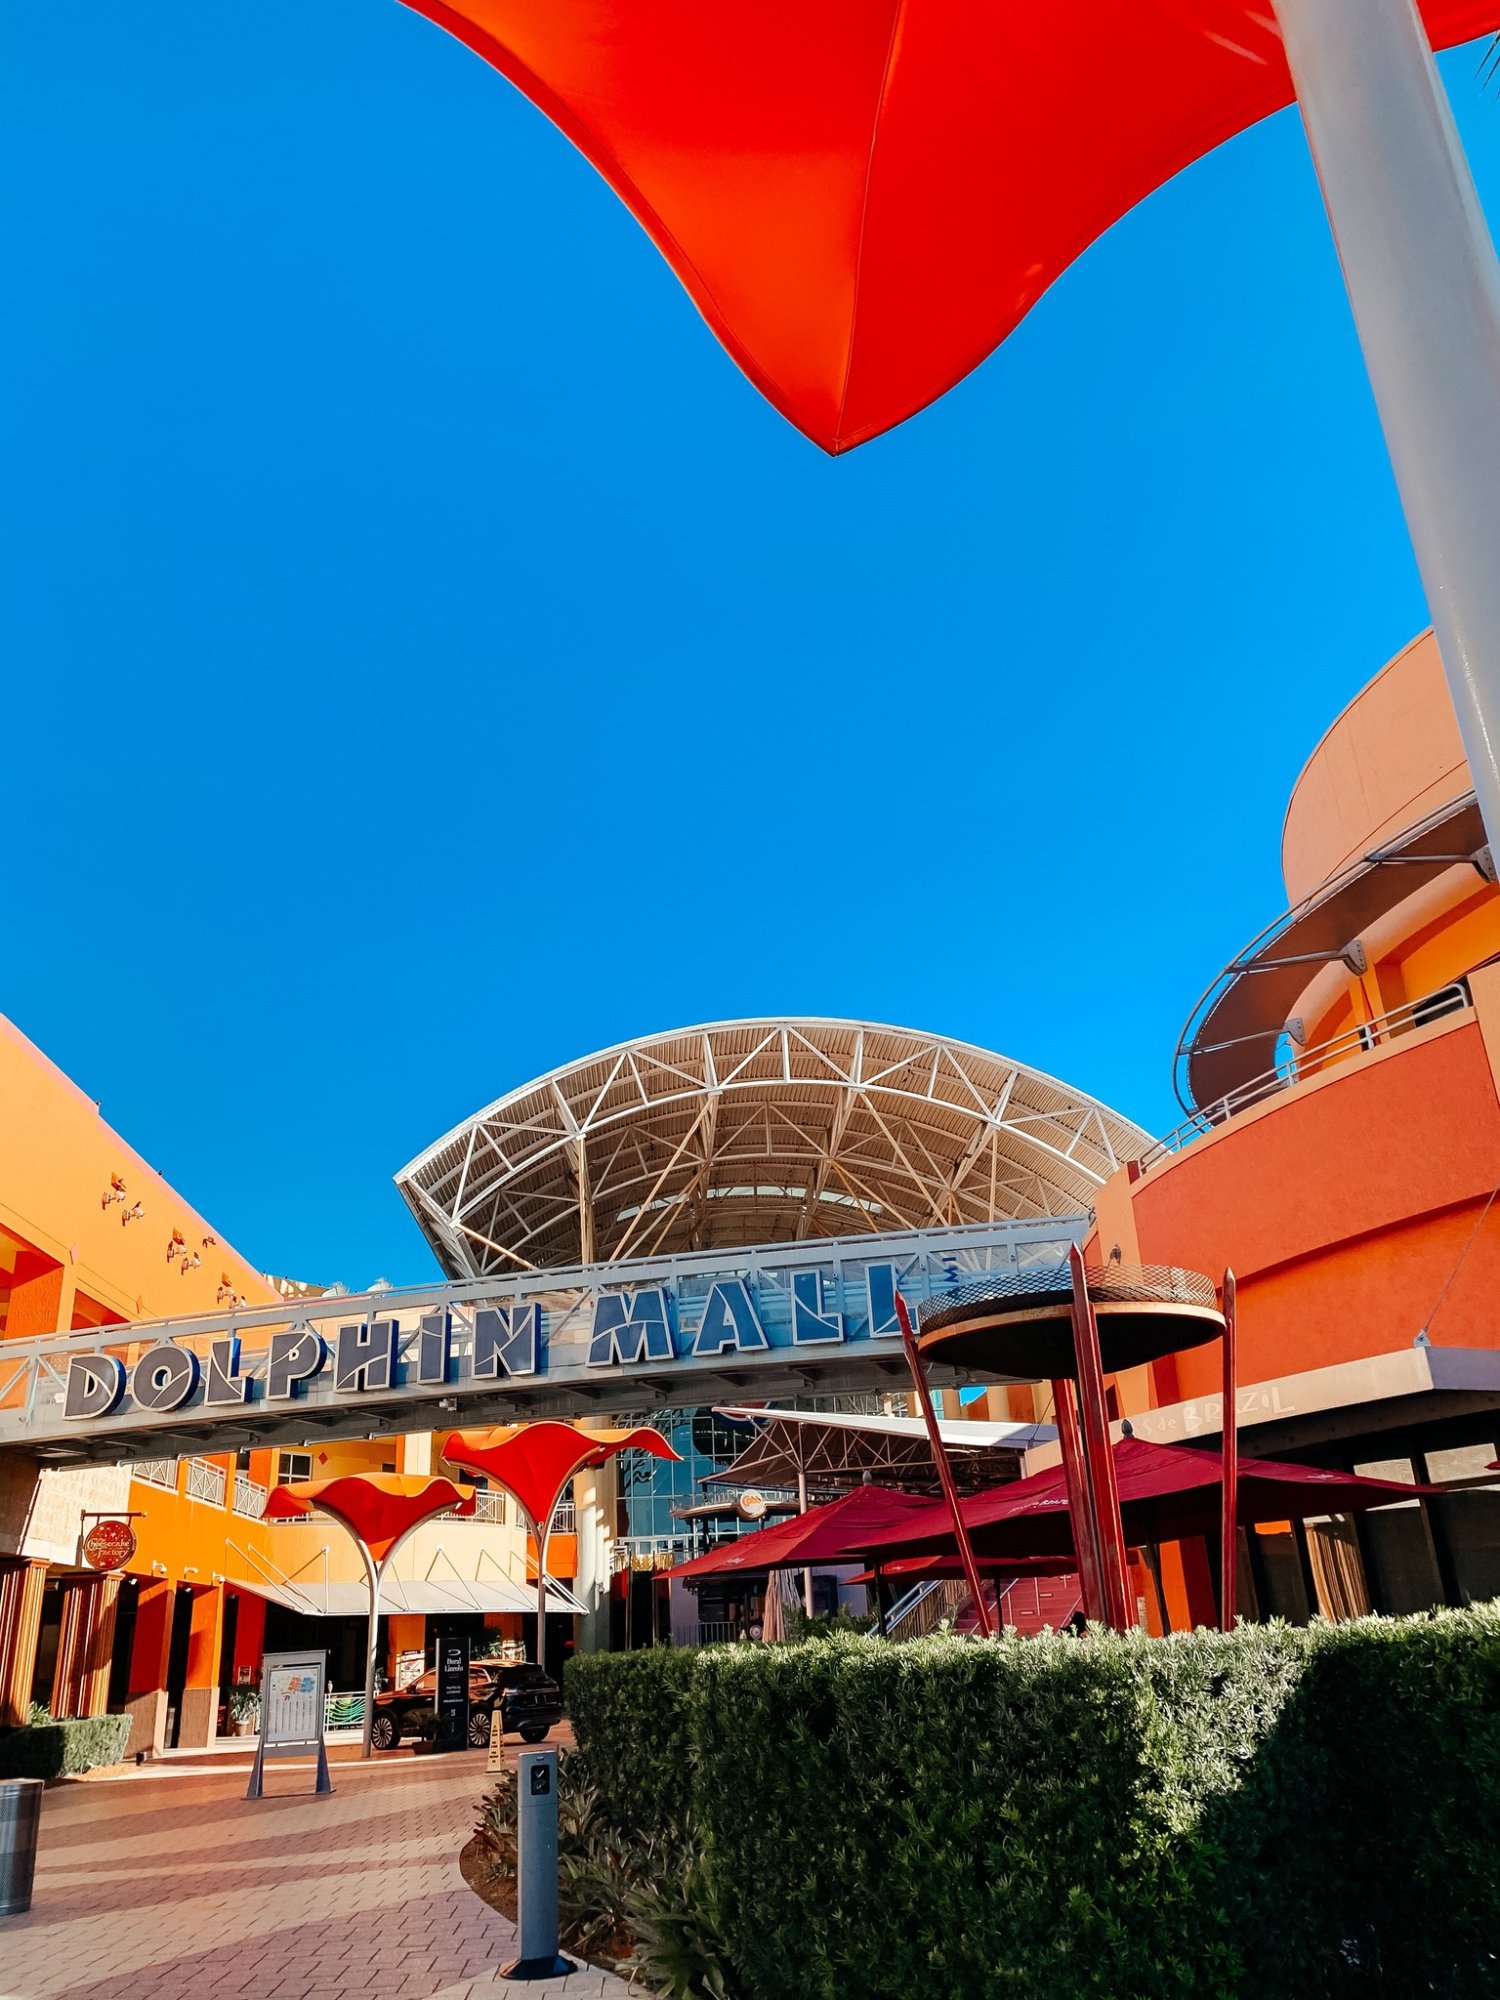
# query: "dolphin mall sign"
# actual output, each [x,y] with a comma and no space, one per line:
[814,1317]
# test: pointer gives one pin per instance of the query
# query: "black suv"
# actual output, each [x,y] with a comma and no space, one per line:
[530,1701]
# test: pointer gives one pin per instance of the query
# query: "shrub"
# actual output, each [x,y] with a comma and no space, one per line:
[1269,1815]
[62,1749]
[635,1728]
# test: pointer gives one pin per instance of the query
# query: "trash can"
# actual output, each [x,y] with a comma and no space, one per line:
[20,1817]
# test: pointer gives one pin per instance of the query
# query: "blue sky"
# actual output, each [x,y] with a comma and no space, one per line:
[427,660]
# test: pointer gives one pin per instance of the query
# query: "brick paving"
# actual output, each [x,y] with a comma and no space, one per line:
[170,1884]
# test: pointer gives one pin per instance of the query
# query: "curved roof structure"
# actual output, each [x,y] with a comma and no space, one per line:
[763,1131]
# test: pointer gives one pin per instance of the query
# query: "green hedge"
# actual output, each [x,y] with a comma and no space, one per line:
[1273,1815]
[63,1749]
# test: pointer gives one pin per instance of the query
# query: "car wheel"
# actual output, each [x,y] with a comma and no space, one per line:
[479,1729]
[385,1731]
[533,1733]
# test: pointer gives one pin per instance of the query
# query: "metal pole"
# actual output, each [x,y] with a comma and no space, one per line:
[1080,1500]
[1425,287]
[372,1639]
[807,1597]
[945,1471]
[1098,1451]
[1229,1551]
[541,1529]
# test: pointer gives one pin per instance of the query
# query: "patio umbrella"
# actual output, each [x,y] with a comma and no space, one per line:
[864,197]
[535,1462]
[379,1509]
[823,1534]
[1167,1494]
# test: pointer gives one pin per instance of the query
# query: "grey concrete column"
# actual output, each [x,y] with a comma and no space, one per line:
[1425,287]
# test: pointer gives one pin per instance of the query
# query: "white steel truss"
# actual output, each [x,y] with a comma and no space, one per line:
[751,1132]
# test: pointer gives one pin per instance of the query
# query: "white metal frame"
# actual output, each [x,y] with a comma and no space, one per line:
[758,1131]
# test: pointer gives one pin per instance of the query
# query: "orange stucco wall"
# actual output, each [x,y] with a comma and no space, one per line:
[1342,1207]
[1392,757]
[57,1156]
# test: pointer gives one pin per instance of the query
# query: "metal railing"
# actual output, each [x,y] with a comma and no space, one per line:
[249,1496]
[565,1519]
[1304,1063]
[926,1606]
[205,1482]
[718,1632]
[1108,1284]
[156,1472]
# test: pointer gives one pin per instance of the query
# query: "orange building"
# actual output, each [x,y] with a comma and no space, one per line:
[90,1235]
[1342,1156]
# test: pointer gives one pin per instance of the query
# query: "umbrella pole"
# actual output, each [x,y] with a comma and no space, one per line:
[945,1471]
[1098,1451]
[1080,1502]
[807,1596]
[882,1600]
[1422,278]
[1229,1551]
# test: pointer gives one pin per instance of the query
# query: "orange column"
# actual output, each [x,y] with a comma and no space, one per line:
[146,1698]
[249,1633]
[22,1581]
[200,1695]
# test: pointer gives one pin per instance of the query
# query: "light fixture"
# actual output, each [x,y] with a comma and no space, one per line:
[132,1214]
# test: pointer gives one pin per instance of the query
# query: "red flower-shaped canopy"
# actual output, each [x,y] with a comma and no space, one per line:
[378,1507]
[863,197]
[536,1461]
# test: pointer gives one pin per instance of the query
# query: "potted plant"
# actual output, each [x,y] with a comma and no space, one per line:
[244,1711]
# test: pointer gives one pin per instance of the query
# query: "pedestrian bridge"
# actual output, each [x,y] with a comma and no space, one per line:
[789,1319]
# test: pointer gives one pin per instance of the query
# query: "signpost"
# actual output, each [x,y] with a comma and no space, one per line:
[452,1694]
[291,1715]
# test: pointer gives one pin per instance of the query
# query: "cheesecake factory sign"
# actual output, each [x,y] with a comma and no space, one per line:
[787,1318]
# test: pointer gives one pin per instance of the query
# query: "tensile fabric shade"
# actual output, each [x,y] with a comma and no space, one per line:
[1167,1493]
[863,197]
[817,1536]
[536,1461]
[377,1507]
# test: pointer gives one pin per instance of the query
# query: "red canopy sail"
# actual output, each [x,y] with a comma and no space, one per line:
[864,197]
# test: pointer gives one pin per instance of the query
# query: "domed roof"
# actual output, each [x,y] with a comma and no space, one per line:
[762,1131]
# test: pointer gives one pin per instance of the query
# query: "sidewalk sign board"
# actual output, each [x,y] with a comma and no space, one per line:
[291,1714]
[452,1693]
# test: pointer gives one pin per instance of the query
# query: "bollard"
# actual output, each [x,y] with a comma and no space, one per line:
[20,1816]
[536,1869]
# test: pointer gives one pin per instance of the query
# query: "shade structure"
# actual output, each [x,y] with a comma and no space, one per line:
[864,197]
[536,1461]
[1167,1493]
[820,1535]
[378,1508]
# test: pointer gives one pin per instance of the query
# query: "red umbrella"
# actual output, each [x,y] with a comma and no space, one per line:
[1167,1493]
[822,1534]
[916,1569]
[863,197]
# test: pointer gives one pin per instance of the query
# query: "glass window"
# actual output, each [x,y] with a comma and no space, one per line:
[292,1465]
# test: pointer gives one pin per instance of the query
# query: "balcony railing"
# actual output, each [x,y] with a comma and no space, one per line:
[249,1498]
[565,1519]
[205,1482]
[1304,1063]
[156,1472]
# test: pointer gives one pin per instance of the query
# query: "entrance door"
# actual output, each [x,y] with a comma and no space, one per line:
[177,1659]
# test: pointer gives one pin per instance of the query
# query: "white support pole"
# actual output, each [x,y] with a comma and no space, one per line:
[1425,287]
[542,1529]
[372,1640]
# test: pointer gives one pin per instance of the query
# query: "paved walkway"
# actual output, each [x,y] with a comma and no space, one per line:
[172,1884]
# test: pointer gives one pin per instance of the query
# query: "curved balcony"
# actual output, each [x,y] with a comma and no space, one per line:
[1019,1325]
